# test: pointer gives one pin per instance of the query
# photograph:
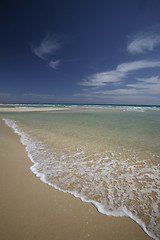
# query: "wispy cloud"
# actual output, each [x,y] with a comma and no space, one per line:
[48,46]
[54,64]
[47,49]
[119,74]
[143,91]
[143,43]
[138,93]
[146,86]
[154,80]
[124,83]
[137,89]
[102,79]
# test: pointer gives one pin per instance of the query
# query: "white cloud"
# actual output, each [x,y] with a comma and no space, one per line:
[154,79]
[119,74]
[142,87]
[54,64]
[118,92]
[48,46]
[113,85]
[143,43]
[103,78]
[148,86]
[136,65]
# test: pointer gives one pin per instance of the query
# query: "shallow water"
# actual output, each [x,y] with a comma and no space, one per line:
[109,158]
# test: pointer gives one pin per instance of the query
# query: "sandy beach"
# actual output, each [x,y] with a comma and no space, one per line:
[30,109]
[30,209]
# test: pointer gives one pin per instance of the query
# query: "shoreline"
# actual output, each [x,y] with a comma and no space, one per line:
[31,209]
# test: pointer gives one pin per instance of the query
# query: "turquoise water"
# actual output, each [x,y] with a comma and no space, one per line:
[106,155]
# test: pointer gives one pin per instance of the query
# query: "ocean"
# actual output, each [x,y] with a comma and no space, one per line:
[107,155]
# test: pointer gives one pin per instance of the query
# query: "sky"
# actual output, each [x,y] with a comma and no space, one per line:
[80,51]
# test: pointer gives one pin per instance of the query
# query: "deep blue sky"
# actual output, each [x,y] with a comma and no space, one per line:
[80,51]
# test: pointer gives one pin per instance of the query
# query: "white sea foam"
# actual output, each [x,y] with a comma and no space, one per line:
[119,107]
[50,166]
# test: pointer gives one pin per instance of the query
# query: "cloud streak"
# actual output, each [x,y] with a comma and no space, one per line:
[136,89]
[124,83]
[143,43]
[147,86]
[119,74]
[142,91]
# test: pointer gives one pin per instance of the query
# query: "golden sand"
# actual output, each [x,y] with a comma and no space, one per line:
[32,210]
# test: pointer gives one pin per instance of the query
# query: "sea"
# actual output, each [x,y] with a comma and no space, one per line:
[108,155]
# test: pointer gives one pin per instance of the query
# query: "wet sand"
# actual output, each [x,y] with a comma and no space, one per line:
[32,210]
